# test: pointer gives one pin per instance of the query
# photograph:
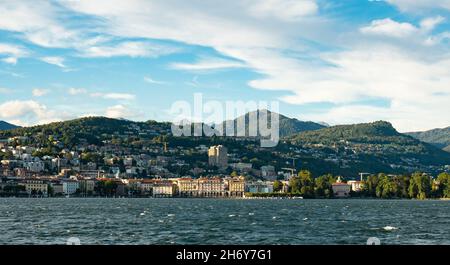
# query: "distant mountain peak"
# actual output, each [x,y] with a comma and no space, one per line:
[439,137]
[288,126]
[7,126]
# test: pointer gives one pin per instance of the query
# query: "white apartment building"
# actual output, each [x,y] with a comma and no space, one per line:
[70,186]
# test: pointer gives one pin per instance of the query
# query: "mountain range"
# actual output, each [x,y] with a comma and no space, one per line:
[341,149]
[437,137]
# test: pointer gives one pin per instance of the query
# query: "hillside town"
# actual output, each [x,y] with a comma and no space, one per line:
[24,173]
[100,157]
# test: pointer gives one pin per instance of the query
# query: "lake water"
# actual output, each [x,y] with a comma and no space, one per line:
[222,221]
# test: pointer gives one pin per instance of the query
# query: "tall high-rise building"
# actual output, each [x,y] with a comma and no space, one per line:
[218,156]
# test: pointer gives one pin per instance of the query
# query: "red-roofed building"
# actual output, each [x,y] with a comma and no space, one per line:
[341,189]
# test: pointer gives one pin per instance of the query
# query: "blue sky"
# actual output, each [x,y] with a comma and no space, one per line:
[331,61]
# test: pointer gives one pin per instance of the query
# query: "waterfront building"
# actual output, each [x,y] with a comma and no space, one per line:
[356,185]
[36,186]
[147,186]
[163,189]
[235,186]
[285,188]
[341,189]
[211,187]
[70,186]
[121,188]
[134,186]
[57,188]
[259,186]
[187,187]
[87,186]
[218,156]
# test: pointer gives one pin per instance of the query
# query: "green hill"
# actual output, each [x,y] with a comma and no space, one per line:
[378,140]
[91,130]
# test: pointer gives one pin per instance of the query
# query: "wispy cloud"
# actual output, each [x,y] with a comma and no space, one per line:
[295,49]
[13,52]
[122,111]
[39,92]
[153,81]
[10,60]
[55,60]
[76,91]
[208,64]
[419,5]
[118,96]
[129,48]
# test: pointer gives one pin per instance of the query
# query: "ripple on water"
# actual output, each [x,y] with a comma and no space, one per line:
[216,221]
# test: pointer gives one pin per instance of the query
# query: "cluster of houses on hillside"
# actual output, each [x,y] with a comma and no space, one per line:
[25,173]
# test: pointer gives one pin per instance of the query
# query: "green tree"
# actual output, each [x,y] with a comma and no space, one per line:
[323,186]
[50,190]
[370,186]
[419,186]
[302,184]
[277,186]
[386,187]
[110,187]
[443,185]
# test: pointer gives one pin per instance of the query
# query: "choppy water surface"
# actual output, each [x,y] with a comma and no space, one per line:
[222,221]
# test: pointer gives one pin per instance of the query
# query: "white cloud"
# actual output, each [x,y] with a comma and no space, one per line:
[76,91]
[403,117]
[430,23]
[10,60]
[268,37]
[390,27]
[288,10]
[37,21]
[420,5]
[13,52]
[121,111]
[130,48]
[55,60]
[153,81]
[265,36]
[118,96]
[208,64]
[436,39]
[39,92]
[27,112]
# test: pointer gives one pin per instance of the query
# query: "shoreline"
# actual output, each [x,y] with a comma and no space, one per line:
[231,198]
